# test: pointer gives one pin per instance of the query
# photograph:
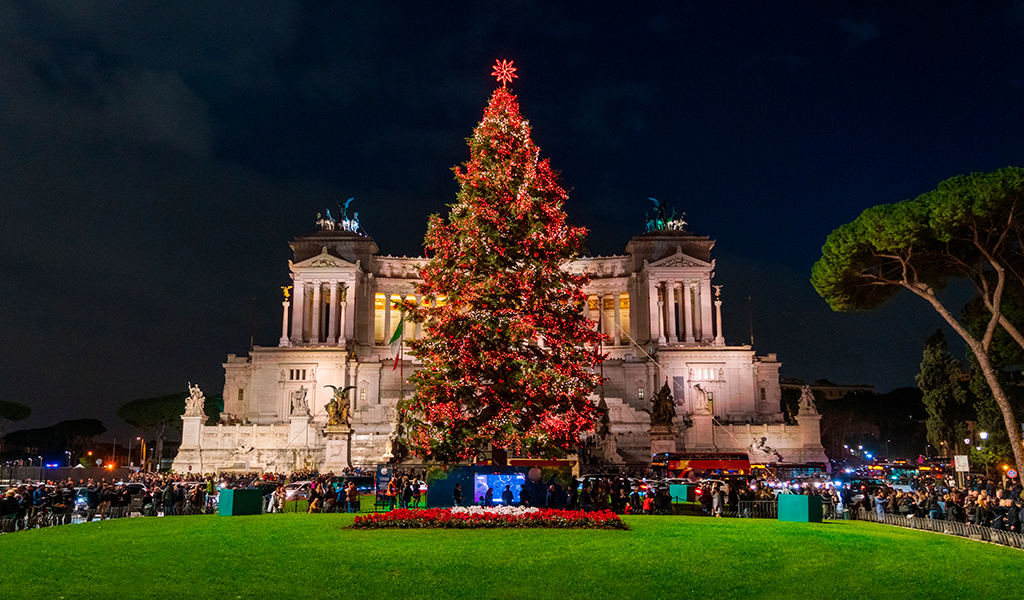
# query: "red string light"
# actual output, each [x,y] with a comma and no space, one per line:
[497,261]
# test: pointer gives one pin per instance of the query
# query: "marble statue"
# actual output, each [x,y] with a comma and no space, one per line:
[195,401]
[807,399]
[300,406]
[700,399]
[761,450]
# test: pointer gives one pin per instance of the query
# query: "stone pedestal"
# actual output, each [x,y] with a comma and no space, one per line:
[663,439]
[298,431]
[703,432]
[810,424]
[191,431]
[339,448]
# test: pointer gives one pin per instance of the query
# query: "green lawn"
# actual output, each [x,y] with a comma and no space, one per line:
[312,556]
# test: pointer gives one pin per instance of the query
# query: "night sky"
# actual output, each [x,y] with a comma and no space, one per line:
[156,157]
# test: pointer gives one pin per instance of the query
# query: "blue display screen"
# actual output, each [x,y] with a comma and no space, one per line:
[497,483]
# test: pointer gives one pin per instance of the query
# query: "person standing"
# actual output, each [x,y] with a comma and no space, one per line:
[406,492]
[392,493]
[717,501]
[635,503]
[506,496]
[489,497]
[880,502]
[352,497]
[457,495]
[586,500]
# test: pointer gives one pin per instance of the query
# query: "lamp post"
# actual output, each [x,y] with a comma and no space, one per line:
[143,463]
[984,436]
[130,441]
[67,454]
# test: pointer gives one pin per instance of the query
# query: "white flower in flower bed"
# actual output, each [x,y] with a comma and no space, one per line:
[495,510]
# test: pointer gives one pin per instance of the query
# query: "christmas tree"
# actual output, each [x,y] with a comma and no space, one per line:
[508,357]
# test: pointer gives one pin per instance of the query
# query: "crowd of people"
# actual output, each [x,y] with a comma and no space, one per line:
[985,503]
[41,504]
[982,502]
[32,504]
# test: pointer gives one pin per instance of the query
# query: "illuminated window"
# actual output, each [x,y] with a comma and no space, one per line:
[707,374]
[640,393]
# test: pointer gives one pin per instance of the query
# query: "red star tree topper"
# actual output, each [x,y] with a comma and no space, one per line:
[508,358]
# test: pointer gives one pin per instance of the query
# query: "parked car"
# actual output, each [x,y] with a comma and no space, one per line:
[297,490]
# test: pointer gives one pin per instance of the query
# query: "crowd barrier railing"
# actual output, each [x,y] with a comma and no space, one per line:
[955,528]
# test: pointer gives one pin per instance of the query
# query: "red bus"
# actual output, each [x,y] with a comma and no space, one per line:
[679,464]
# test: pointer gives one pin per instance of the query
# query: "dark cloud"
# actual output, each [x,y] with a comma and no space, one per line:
[858,31]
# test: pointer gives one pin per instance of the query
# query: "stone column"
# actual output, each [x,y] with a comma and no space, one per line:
[314,324]
[350,317]
[284,325]
[660,320]
[416,330]
[686,290]
[673,309]
[343,290]
[719,339]
[297,316]
[332,327]
[705,309]
[657,333]
[601,301]
[618,323]
[387,318]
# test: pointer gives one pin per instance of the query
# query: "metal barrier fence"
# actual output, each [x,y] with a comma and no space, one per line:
[769,509]
[965,530]
[756,509]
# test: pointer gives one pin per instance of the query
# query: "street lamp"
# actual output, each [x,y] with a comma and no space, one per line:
[67,454]
[984,436]
[130,442]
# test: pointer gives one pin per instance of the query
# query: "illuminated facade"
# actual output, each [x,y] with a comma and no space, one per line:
[656,302]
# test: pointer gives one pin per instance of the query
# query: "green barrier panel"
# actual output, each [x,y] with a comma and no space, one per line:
[233,503]
[801,509]
[682,493]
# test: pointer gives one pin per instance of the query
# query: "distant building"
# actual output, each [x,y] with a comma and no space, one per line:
[832,391]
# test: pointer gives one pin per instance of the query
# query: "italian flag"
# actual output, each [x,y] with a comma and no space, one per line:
[396,341]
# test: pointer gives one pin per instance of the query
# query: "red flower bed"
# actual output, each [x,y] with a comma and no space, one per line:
[443,518]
